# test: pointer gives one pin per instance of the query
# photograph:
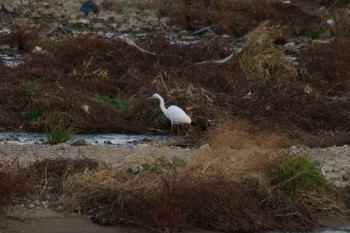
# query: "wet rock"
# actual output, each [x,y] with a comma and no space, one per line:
[290,47]
[40,10]
[80,21]
[80,142]
[322,8]
[63,146]
[37,49]
[325,41]
[142,146]
[148,140]
[24,2]
[104,17]
[45,4]
[146,27]
[89,6]
[36,15]
[108,142]
[56,15]
[4,46]
[346,176]
[113,25]
[23,22]
[124,28]
[10,138]
[204,147]
[98,26]
[8,8]
[109,5]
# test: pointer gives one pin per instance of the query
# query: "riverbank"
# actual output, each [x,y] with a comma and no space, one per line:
[333,161]
[134,161]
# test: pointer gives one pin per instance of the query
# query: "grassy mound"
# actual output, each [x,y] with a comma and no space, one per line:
[214,190]
[248,187]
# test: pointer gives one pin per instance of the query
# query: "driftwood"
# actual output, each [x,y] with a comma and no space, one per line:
[220,61]
[132,43]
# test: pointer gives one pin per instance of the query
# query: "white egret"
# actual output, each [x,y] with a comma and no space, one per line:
[176,115]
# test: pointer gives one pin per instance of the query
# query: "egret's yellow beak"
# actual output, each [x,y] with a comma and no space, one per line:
[149,98]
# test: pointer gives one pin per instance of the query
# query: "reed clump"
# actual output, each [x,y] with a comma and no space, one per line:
[263,58]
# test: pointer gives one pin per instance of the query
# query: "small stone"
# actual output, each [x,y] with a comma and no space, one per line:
[4,46]
[187,38]
[113,25]
[142,146]
[108,142]
[73,16]
[98,26]
[23,22]
[37,49]
[8,8]
[56,15]
[46,4]
[204,147]
[36,15]
[10,138]
[80,142]
[346,176]
[25,2]
[146,27]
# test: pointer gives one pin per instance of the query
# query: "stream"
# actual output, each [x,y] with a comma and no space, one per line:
[12,57]
[22,138]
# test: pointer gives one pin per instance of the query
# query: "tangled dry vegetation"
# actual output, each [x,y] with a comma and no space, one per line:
[100,85]
[237,17]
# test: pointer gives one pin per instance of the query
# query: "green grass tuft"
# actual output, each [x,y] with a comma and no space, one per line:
[58,132]
[296,173]
[159,166]
[33,112]
[32,86]
[115,103]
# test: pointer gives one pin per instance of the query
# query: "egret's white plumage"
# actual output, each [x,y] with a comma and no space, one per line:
[176,115]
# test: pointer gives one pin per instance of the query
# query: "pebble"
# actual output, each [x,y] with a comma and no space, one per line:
[80,142]
[10,138]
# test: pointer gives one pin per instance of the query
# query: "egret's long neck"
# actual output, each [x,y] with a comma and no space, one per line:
[162,107]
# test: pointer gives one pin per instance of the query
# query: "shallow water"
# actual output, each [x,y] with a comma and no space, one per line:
[92,139]
[10,56]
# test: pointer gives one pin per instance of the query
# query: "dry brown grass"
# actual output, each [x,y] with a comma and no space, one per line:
[263,58]
[38,179]
[242,135]
[215,190]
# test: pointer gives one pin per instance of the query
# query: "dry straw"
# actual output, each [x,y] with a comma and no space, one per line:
[262,58]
